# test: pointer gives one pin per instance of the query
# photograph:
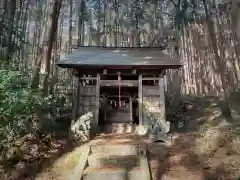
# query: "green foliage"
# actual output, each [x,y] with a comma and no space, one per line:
[18,102]
[15,95]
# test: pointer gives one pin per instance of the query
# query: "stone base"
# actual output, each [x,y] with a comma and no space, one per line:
[119,149]
[119,128]
[113,173]
[159,137]
[104,160]
[142,130]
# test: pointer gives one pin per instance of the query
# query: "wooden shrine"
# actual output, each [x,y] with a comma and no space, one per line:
[123,86]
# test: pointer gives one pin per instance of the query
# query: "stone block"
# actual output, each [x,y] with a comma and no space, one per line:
[112,174]
[98,161]
[119,149]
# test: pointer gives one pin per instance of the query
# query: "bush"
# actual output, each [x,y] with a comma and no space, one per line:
[18,103]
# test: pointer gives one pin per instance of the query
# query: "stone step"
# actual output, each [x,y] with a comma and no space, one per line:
[99,161]
[119,149]
[113,173]
[119,128]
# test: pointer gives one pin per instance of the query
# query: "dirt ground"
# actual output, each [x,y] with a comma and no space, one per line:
[207,149]
[62,168]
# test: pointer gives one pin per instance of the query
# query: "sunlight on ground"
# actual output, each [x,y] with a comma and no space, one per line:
[62,167]
[210,151]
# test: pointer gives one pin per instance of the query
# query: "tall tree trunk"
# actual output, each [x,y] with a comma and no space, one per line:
[11,9]
[81,14]
[52,35]
[37,50]
[90,31]
[235,25]
[218,60]
[70,25]
[99,23]
[137,22]
[116,23]
[235,18]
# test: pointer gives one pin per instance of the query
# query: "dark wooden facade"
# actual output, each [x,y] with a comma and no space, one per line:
[142,73]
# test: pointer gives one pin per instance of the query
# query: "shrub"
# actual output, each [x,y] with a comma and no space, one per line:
[18,102]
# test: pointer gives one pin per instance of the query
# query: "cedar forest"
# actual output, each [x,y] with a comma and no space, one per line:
[35,94]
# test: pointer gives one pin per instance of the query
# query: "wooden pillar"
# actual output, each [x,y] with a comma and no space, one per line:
[75,100]
[140,100]
[162,98]
[131,108]
[162,104]
[97,99]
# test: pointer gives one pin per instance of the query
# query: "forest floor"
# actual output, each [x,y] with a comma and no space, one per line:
[207,149]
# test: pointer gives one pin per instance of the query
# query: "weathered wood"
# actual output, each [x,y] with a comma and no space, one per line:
[113,71]
[131,109]
[88,78]
[151,91]
[162,100]
[115,96]
[97,99]
[88,90]
[150,103]
[116,83]
[75,100]
[150,78]
[140,99]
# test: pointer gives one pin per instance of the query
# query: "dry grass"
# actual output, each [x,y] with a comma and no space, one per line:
[62,167]
[210,151]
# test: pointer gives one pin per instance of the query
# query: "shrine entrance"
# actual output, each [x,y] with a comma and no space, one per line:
[118,96]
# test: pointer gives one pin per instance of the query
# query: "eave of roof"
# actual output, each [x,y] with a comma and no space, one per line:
[96,57]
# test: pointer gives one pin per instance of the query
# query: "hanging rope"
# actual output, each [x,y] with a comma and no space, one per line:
[119,90]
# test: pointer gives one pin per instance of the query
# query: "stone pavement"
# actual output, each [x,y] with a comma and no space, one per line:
[117,157]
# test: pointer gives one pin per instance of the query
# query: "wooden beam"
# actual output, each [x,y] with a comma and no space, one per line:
[116,83]
[115,96]
[140,99]
[150,78]
[94,70]
[88,78]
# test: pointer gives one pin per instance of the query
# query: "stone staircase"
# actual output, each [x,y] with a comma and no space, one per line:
[124,161]
[119,128]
